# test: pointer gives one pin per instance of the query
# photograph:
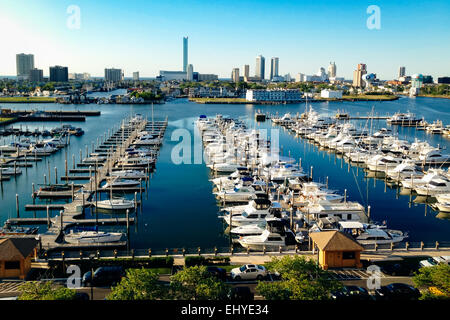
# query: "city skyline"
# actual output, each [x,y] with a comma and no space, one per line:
[145,40]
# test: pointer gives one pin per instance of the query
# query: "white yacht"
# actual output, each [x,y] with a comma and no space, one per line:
[115,204]
[275,235]
[383,163]
[238,194]
[434,187]
[120,182]
[129,174]
[255,212]
[371,234]
[92,237]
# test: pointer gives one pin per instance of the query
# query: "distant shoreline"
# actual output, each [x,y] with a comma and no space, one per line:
[244,101]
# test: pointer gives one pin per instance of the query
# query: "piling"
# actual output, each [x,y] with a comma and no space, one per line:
[17,205]
[48,216]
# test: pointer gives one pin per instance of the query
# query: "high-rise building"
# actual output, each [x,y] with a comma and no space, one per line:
[235,75]
[36,75]
[136,76]
[332,70]
[113,75]
[260,67]
[246,70]
[190,72]
[274,67]
[59,74]
[185,53]
[24,64]
[360,71]
[401,72]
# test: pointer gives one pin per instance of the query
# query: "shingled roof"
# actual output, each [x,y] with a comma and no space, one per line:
[16,248]
[335,241]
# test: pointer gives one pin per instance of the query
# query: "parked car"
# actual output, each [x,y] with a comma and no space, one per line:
[249,272]
[398,269]
[219,273]
[81,296]
[432,261]
[351,293]
[397,291]
[240,293]
[104,276]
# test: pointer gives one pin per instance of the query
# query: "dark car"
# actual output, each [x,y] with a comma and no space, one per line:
[217,272]
[81,296]
[353,293]
[241,293]
[397,269]
[104,276]
[397,291]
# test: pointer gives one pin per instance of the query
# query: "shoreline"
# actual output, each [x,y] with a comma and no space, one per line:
[243,101]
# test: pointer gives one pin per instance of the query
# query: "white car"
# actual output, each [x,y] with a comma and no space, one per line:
[433,261]
[249,272]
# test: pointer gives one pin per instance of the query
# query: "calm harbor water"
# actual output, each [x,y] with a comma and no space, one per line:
[180,210]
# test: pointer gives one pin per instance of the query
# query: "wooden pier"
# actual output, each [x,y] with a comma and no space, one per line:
[72,214]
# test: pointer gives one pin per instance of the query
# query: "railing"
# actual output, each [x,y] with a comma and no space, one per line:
[415,247]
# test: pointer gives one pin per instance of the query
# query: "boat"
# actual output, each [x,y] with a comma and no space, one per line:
[255,212]
[403,119]
[10,171]
[129,174]
[121,183]
[115,204]
[367,234]
[92,237]
[55,191]
[274,237]
[434,187]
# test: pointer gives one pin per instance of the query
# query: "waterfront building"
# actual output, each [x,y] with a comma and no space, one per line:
[331,94]
[15,256]
[443,80]
[235,75]
[300,77]
[207,77]
[279,95]
[36,75]
[24,64]
[260,67]
[136,76]
[332,70]
[185,53]
[358,74]
[190,72]
[172,75]
[401,72]
[79,76]
[427,79]
[59,74]
[246,70]
[417,80]
[274,67]
[113,75]
[337,250]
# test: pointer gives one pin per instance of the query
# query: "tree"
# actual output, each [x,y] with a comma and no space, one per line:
[434,282]
[302,279]
[196,283]
[34,290]
[138,284]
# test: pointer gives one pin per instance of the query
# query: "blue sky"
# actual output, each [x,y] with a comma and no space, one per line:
[146,36]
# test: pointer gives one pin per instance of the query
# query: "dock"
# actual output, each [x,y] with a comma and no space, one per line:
[72,214]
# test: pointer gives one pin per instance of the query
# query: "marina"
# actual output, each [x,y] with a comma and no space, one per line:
[203,209]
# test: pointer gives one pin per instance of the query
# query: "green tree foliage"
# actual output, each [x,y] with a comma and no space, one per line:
[196,283]
[428,279]
[138,284]
[302,279]
[33,290]
[441,89]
